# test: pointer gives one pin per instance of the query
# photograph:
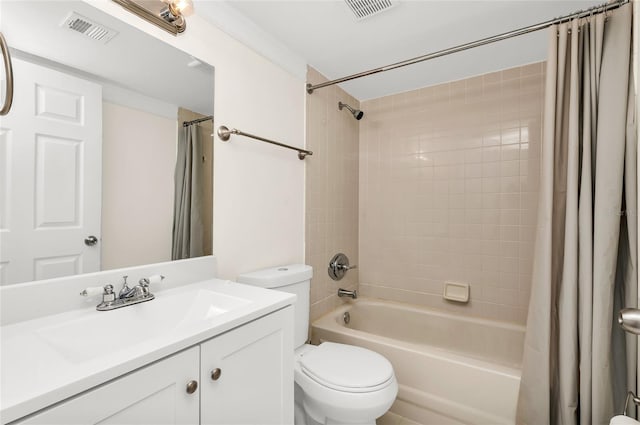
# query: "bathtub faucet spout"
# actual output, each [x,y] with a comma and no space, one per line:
[344,293]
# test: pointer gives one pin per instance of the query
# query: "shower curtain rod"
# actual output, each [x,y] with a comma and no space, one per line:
[188,123]
[461,47]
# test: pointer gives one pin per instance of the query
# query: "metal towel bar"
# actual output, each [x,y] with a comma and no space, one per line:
[224,134]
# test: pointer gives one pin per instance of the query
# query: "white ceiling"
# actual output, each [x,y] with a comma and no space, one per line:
[325,34]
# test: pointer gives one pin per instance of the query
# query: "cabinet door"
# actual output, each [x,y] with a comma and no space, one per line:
[255,383]
[155,394]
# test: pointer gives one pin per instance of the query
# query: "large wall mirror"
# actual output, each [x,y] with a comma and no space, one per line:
[107,148]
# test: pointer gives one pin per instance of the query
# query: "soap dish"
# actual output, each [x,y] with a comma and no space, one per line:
[455,291]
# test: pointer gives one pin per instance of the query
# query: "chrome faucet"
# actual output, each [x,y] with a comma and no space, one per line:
[344,293]
[127,296]
[126,292]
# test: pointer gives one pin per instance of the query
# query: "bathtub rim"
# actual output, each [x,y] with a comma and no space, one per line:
[430,310]
[331,322]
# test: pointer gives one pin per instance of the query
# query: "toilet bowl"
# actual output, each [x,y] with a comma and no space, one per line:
[342,384]
[334,383]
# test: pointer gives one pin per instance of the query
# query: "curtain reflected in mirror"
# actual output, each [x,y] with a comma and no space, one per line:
[192,217]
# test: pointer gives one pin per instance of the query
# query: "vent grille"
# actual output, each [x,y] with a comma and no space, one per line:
[89,28]
[366,8]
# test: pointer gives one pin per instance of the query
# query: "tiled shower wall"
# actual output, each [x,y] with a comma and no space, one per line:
[448,192]
[331,192]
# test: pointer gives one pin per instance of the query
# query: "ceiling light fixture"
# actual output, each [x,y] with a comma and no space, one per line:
[166,14]
[176,10]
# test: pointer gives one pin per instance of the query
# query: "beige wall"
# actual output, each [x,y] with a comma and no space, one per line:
[331,192]
[448,191]
[258,188]
[138,159]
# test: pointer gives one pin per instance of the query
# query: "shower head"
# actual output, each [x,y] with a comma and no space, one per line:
[357,113]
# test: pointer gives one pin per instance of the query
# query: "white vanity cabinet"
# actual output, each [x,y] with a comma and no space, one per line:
[253,383]
[155,394]
[247,374]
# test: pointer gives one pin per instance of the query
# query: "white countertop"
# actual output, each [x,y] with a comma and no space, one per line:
[36,373]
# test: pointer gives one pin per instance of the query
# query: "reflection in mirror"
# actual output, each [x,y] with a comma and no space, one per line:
[97,170]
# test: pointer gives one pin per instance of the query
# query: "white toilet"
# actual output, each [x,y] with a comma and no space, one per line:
[334,383]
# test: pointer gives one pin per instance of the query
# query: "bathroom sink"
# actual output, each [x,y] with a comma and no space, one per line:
[97,334]
[50,358]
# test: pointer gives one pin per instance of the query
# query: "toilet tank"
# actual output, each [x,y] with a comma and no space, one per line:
[295,279]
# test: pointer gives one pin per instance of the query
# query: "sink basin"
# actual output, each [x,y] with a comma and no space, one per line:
[101,333]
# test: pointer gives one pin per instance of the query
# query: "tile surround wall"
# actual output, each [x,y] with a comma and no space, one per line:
[448,191]
[331,192]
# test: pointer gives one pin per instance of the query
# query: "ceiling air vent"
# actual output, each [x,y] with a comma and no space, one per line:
[367,8]
[89,28]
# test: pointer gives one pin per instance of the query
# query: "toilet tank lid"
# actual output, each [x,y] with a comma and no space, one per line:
[275,277]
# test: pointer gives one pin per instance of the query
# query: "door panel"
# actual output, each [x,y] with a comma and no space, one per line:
[59,105]
[50,164]
[58,182]
[56,266]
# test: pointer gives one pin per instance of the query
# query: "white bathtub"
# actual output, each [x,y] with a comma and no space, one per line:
[451,370]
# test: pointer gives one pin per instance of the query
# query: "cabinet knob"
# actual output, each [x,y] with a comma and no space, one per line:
[192,386]
[215,374]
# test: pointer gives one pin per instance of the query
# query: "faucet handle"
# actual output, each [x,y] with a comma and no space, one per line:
[146,281]
[338,266]
[108,296]
[92,291]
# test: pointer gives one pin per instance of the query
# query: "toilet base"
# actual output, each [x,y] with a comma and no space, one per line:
[301,417]
[310,421]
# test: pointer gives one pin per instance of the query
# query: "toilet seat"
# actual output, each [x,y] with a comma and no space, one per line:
[347,368]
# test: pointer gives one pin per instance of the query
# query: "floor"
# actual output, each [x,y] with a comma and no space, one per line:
[390,418]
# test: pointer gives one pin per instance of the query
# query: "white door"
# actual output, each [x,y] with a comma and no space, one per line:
[50,176]
[154,395]
[247,373]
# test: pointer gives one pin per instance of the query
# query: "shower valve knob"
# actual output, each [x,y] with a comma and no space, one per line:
[338,266]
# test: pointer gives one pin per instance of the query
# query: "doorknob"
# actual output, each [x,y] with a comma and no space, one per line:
[90,240]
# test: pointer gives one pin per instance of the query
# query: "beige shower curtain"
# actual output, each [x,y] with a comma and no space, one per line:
[188,227]
[577,363]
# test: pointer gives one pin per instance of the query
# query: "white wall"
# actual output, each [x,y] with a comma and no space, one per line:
[138,159]
[258,188]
